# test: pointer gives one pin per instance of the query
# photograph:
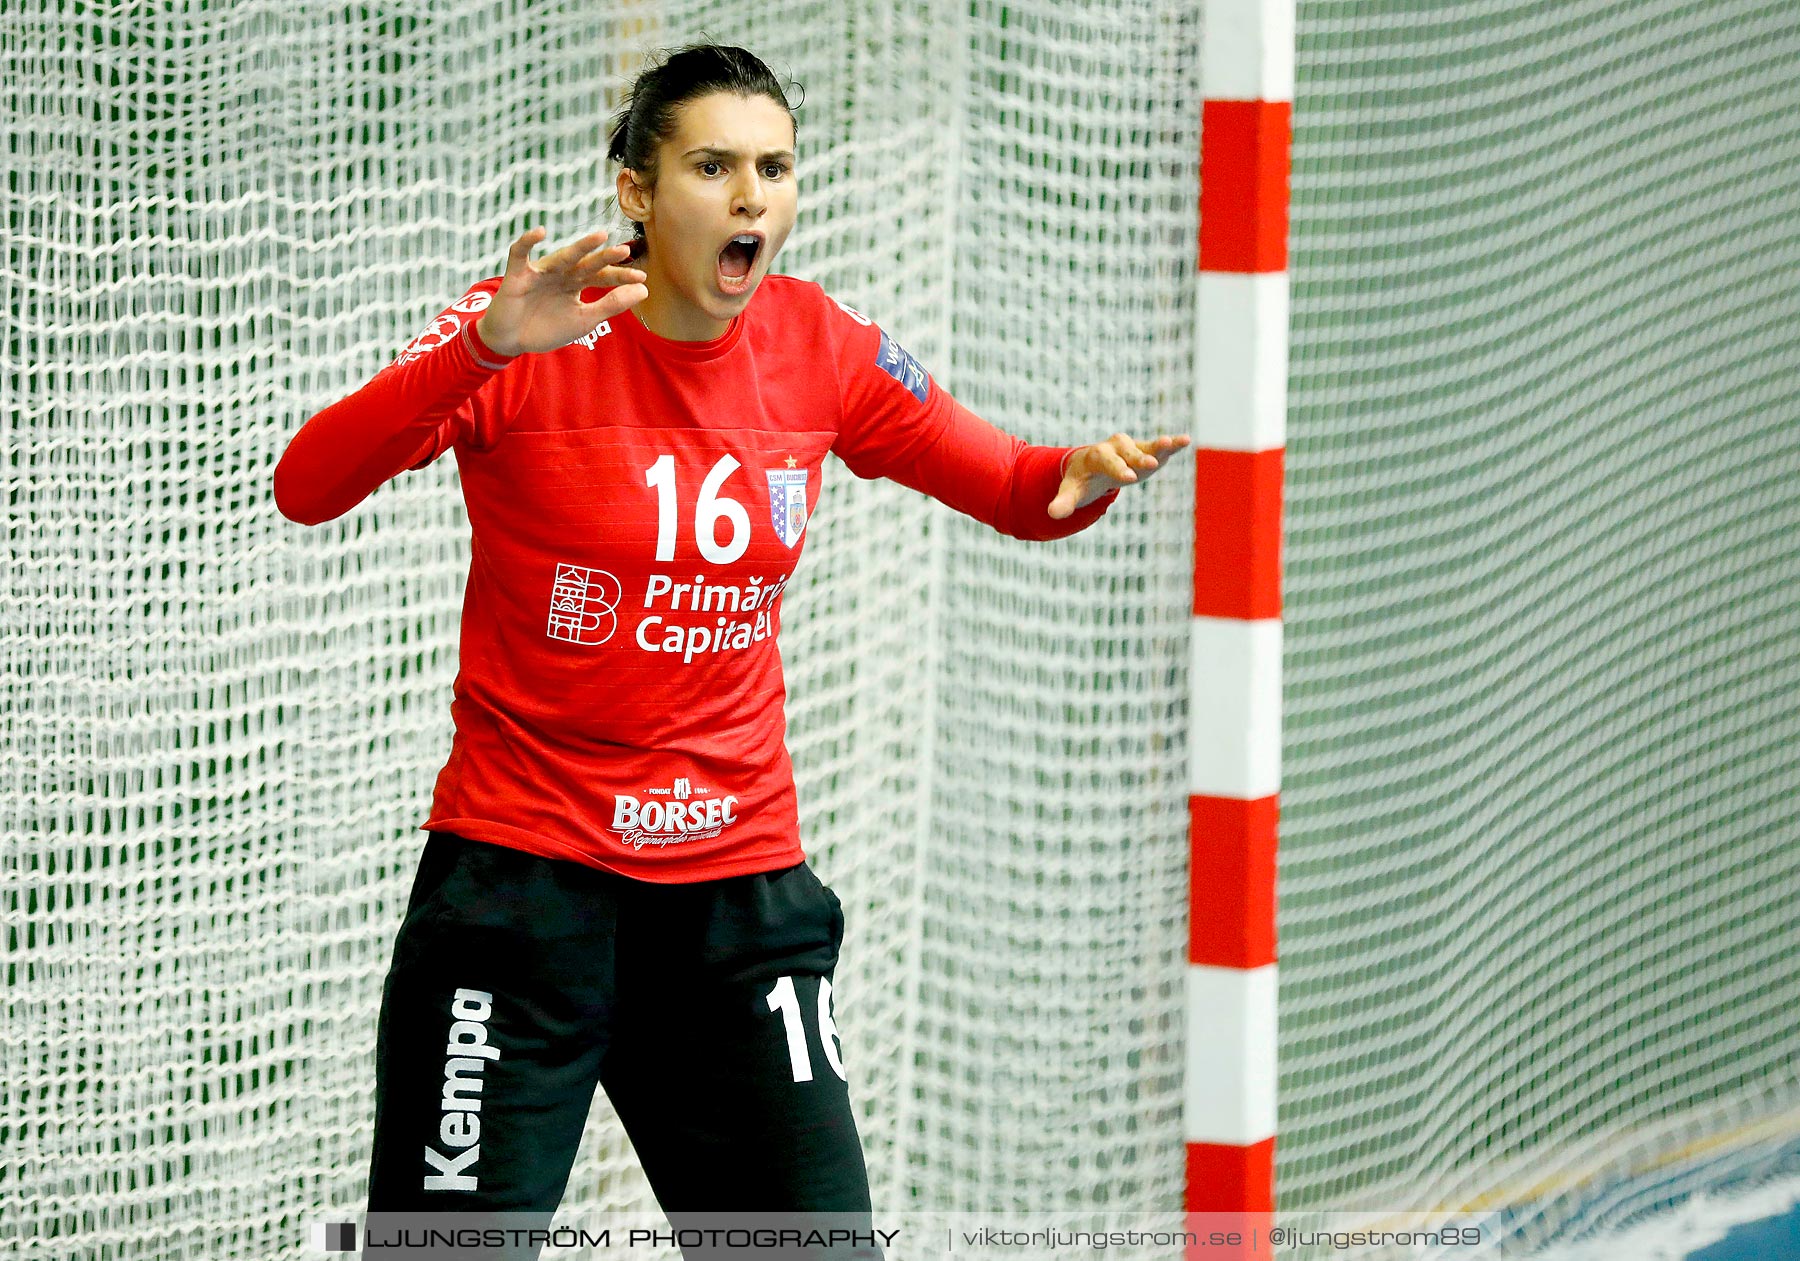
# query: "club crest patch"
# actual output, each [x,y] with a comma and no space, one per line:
[787,503]
[893,360]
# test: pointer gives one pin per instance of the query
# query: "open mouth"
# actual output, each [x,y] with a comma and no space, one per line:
[736,260]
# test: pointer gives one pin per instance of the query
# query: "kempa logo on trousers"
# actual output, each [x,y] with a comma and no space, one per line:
[468,1051]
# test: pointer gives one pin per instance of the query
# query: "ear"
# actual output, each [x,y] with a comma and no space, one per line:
[634,198]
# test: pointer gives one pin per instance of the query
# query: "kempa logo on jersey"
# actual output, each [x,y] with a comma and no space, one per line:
[444,329]
[592,339]
[653,822]
[468,1051]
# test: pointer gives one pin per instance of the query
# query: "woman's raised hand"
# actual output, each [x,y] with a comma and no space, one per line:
[1091,471]
[538,306]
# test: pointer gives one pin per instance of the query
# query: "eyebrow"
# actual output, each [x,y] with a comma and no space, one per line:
[713,151]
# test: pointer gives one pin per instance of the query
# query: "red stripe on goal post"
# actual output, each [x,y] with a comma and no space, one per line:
[1231,920]
[1231,1179]
[1244,162]
[1237,533]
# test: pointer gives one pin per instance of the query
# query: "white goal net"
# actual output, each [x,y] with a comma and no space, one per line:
[1540,849]
[223,728]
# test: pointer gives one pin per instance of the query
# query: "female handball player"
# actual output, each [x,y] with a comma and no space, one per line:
[612,890]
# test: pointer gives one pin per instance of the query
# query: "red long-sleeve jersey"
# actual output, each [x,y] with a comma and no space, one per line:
[636,506]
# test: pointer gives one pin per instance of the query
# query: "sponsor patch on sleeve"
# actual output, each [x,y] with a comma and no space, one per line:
[893,360]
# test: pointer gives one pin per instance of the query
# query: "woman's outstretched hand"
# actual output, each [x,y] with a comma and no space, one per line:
[538,306]
[1094,470]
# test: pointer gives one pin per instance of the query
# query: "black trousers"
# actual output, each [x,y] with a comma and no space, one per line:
[704,1010]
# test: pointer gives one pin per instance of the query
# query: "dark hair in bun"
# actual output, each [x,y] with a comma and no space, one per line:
[648,115]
